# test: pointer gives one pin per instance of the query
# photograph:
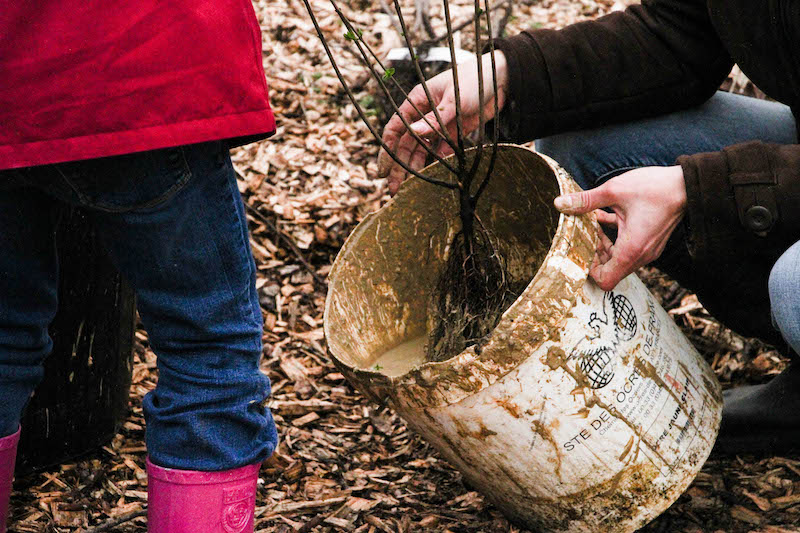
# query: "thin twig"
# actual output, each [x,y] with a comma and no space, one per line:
[423,19]
[311,524]
[363,115]
[481,93]
[456,88]
[361,45]
[110,525]
[388,10]
[289,242]
[458,27]
[501,26]
[421,79]
[496,121]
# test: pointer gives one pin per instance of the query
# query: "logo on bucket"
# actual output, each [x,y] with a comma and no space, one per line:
[596,353]
[598,366]
[237,508]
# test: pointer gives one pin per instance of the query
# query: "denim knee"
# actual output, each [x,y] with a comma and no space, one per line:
[568,150]
[592,156]
[784,295]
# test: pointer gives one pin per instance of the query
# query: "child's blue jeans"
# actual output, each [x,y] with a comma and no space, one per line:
[595,156]
[173,221]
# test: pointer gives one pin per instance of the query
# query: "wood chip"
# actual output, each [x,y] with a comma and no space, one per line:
[307,419]
[761,503]
[744,514]
[783,502]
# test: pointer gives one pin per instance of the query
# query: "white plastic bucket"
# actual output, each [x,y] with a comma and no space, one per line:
[585,410]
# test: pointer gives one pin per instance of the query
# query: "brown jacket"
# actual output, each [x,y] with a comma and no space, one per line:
[663,56]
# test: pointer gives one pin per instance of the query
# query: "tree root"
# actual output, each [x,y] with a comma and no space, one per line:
[473,292]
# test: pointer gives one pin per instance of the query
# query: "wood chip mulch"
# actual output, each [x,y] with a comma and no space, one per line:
[344,464]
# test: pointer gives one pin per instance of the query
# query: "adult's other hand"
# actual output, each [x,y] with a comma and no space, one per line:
[647,203]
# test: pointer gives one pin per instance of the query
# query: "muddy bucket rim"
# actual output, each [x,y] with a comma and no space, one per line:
[419,385]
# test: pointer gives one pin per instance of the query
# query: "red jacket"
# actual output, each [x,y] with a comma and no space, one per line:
[82,79]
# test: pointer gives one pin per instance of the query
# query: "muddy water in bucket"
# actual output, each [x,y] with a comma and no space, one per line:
[584,410]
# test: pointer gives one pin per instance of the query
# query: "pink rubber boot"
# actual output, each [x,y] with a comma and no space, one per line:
[8,456]
[188,501]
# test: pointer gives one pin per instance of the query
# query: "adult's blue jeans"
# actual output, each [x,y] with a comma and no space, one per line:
[173,222]
[594,156]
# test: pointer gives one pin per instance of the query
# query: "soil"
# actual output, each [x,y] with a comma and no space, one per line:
[344,464]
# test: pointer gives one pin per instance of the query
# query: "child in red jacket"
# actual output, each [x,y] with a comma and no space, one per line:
[129,112]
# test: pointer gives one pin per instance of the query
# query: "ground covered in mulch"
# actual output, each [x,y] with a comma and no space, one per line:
[344,464]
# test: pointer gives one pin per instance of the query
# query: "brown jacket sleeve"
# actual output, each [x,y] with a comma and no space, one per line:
[653,58]
[744,199]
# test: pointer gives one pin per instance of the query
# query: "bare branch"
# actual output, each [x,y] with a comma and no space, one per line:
[456,88]
[421,78]
[289,242]
[377,59]
[361,45]
[458,27]
[496,121]
[360,111]
[501,26]
[399,87]
[423,18]
[396,23]
[110,525]
[481,93]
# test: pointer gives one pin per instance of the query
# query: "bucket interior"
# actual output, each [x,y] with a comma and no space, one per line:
[382,279]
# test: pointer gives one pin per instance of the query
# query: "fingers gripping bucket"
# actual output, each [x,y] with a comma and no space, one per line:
[584,410]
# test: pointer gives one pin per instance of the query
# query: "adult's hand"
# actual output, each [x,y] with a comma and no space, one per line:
[648,204]
[442,92]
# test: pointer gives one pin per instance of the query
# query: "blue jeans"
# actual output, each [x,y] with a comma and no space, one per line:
[597,155]
[173,222]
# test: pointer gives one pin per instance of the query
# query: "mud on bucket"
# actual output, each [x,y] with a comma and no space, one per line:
[585,410]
